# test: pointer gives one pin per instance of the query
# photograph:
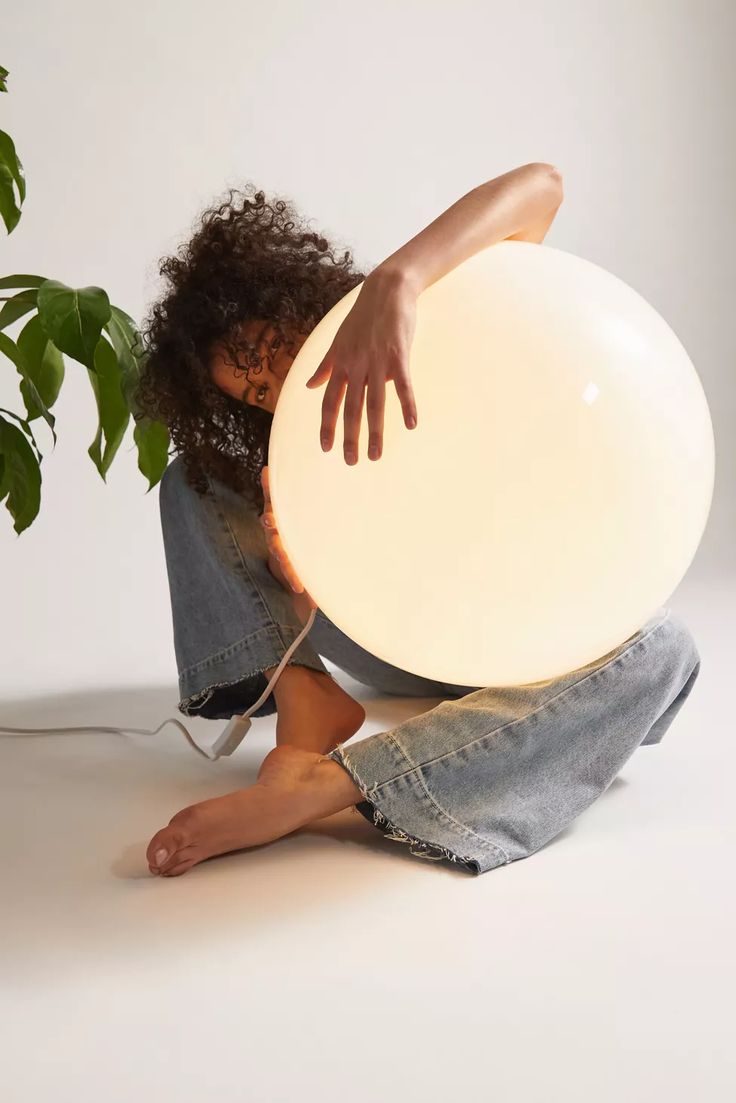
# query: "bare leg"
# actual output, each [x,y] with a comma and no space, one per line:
[296,783]
[314,712]
[294,787]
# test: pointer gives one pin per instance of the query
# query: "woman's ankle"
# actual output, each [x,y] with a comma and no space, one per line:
[314,712]
[297,680]
[321,786]
[336,788]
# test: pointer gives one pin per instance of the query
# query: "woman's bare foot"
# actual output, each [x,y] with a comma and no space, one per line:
[294,787]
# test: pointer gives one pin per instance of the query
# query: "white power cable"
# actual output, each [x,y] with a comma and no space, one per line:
[225,744]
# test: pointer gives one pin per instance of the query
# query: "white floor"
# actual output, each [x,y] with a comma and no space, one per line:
[333,965]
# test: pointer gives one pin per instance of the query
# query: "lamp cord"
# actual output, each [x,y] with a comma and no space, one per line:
[226,742]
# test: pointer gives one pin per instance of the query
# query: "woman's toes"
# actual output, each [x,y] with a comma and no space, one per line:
[178,868]
[187,854]
[282,800]
[163,849]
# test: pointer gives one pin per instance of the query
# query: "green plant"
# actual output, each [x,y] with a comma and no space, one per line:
[80,323]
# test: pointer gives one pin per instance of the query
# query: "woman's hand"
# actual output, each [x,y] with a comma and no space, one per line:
[279,563]
[370,347]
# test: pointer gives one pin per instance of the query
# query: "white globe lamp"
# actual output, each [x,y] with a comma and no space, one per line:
[551,498]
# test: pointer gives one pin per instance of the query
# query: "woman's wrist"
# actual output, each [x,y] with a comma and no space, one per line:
[393,276]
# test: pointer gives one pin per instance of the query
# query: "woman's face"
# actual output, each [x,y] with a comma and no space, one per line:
[261,384]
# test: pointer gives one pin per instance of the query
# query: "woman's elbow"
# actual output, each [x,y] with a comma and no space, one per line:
[555,176]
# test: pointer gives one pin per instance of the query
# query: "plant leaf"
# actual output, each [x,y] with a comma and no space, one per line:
[152,439]
[9,209]
[26,426]
[17,306]
[30,393]
[73,318]
[9,157]
[20,479]
[3,82]
[111,406]
[44,364]
[129,348]
[22,281]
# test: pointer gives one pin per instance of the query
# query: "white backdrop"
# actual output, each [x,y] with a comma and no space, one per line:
[374,118]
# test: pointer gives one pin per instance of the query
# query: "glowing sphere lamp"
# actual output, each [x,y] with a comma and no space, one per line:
[551,498]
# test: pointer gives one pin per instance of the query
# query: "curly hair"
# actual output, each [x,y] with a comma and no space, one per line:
[258,259]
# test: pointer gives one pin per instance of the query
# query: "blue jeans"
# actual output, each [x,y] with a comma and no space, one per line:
[490,774]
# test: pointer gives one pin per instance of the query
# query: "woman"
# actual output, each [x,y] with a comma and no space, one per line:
[490,774]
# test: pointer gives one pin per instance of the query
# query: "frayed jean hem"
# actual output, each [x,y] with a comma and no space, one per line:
[396,815]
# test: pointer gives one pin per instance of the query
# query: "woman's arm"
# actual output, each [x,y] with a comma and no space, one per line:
[518,206]
[373,342]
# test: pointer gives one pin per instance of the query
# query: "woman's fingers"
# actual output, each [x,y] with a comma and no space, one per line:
[286,568]
[265,484]
[273,541]
[376,405]
[268,519]
[276,551]
[276,567]
[331,402]
[352,417]
[274,545]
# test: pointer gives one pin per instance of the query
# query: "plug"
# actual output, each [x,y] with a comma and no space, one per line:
[231,738]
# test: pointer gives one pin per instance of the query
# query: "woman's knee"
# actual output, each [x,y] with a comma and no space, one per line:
[173,479]
[175,488]
[184,511]
[676,652]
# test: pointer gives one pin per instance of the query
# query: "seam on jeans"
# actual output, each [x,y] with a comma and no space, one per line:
[522,719]
[243,565]
[420,848]
[235,648]
[462,827]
